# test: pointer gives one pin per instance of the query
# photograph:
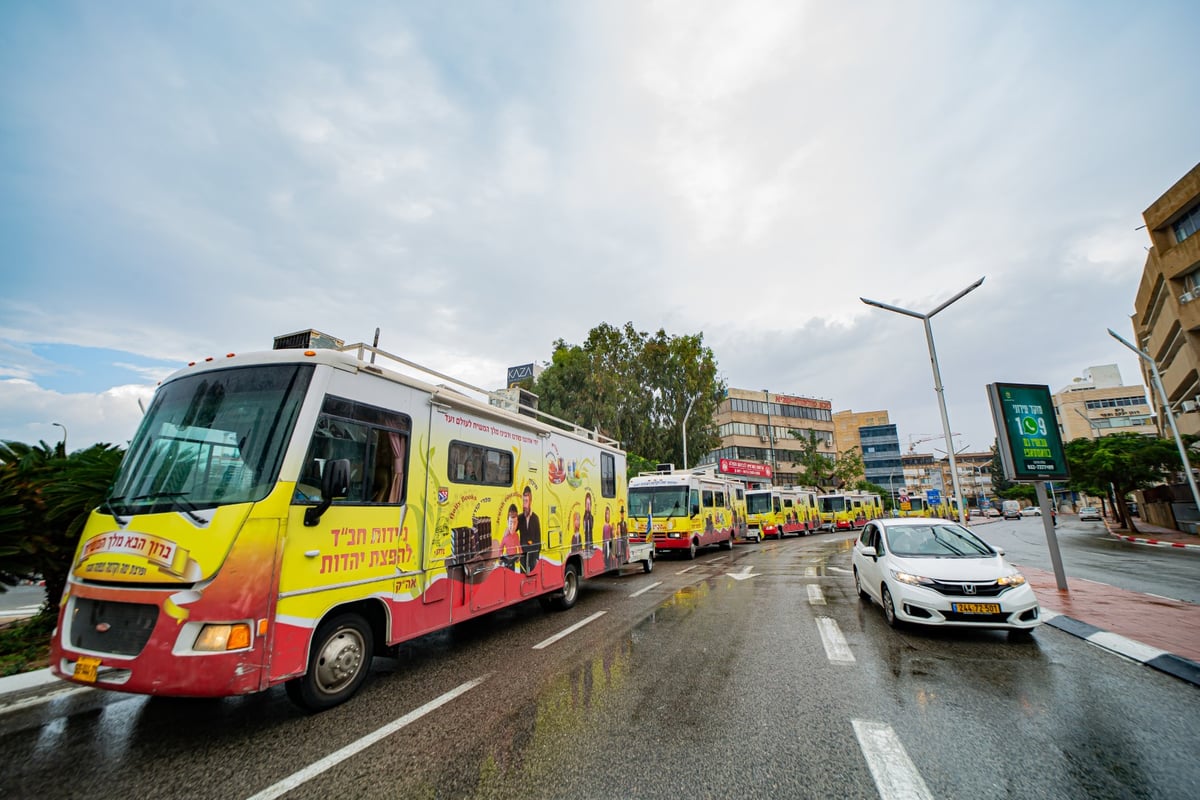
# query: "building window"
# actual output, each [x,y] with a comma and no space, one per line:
[1188,224]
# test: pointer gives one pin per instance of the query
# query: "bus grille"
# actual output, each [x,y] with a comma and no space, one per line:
[126,626]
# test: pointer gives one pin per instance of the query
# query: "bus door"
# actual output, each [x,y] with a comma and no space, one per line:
[345,548]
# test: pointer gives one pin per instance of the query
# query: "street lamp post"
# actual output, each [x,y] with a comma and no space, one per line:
[937,380]
[685,416]
[770,435]
[64,441]
[1162,394]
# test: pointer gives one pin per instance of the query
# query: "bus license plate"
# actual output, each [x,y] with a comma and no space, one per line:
[977,608]
[85,669]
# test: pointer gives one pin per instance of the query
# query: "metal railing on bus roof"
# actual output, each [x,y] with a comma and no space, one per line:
[493,397]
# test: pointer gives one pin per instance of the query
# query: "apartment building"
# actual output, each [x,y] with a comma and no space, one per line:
[1099,404]
[762,426]
[1166,318]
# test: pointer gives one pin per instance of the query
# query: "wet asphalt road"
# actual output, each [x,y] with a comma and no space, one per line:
[715,683]
[1088,551]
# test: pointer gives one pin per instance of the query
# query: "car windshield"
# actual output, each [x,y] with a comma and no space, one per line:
[938,540]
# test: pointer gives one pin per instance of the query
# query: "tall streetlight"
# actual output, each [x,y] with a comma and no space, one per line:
[937,381]
[770,435]
[685,416]
[1170,415]
[64,441]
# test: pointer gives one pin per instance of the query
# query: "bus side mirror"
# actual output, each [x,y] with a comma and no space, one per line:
[335,483]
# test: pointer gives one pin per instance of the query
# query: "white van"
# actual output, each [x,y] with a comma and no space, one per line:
[1011,509]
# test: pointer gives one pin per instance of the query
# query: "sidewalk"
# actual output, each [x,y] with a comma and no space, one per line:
[1158,632]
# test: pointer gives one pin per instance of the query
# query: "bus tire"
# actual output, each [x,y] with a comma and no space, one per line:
[341,655]
[728,543]
[692,550]
[567,596]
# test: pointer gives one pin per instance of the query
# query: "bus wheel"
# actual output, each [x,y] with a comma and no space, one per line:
[692,550]
[341,654]
[570,590]
[728,543]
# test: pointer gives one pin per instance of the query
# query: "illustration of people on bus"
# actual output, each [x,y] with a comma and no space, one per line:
[576,538]
[609,549]
[529,528]
[589,522]
[509,549]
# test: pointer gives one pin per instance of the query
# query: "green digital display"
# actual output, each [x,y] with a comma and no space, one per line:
[1031,447]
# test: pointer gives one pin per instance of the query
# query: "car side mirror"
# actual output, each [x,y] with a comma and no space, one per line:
[335,483]
[999,550]
[869,552]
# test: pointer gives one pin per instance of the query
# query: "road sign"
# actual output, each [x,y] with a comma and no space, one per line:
[933,497]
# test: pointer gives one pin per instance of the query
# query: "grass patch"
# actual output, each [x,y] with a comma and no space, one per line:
[25,644]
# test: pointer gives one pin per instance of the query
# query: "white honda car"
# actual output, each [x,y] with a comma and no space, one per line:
[936,572]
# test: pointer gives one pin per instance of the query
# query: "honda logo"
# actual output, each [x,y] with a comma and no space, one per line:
[968,588]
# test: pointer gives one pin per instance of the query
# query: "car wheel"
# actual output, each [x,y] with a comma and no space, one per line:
[858,587]
[341,654]
[889,608]
[648,564]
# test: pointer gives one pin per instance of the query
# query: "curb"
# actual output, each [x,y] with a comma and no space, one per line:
[1168,663]
[1155,542]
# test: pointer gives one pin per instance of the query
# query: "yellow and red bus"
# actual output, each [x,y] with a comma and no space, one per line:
[280,517]
[685,511]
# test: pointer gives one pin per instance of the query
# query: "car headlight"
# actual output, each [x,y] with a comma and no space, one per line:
[911,580]
[1016,579]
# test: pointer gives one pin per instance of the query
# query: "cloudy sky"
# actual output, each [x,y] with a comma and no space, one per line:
[479,179]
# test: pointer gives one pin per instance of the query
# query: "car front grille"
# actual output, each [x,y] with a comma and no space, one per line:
[958,589]
[107,627]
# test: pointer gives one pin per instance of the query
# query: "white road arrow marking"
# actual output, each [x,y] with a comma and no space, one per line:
[741,576]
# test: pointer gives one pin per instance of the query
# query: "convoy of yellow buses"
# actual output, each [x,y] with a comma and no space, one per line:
[780,511]
[280,517]
[684,511]
[848,510]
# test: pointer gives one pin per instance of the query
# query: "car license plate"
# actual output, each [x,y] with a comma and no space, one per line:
[977,608]
[85,669]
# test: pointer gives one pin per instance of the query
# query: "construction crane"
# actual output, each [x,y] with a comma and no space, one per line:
[915,439]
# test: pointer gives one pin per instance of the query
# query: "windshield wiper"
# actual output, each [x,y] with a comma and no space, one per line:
[186,506]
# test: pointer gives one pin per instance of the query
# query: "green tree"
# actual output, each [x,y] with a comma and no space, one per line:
[636,388]
[1123,462]
[47,497]
[865,485]
[818,465]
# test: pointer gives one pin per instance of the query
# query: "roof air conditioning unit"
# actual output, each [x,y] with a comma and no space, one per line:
[1187,297]
[762,438]
[1188,405]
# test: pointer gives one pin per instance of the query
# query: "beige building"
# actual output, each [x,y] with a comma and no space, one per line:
[847,423]
[757,426]
[1166,318]
[1098,404]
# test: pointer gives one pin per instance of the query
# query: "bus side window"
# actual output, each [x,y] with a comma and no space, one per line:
[387,475]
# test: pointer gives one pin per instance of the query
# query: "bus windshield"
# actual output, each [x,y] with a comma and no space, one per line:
[211,439]
[662,501]
[758,503]
[835,503]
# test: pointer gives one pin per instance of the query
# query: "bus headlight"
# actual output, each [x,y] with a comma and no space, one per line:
[219,638]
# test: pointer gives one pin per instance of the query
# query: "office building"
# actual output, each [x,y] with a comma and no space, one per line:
[1098,404]
[762,426]
[1166,318]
